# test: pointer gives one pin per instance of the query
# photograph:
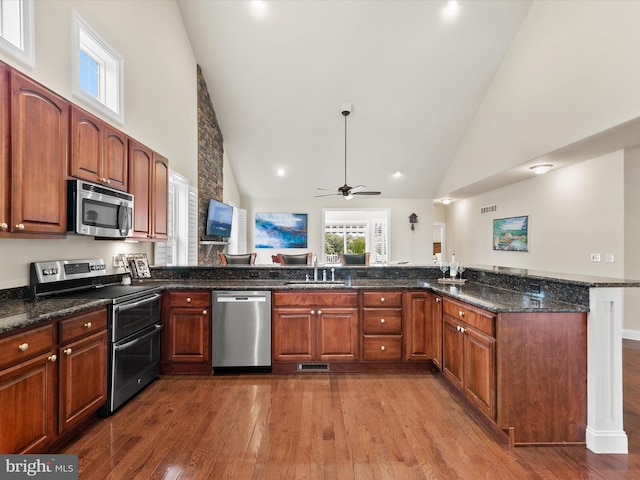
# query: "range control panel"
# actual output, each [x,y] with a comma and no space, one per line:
[56,271]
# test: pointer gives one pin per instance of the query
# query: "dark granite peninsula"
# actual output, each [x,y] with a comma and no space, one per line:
[513,314]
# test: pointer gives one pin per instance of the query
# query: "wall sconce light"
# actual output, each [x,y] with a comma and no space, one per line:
[540,169]
[413,219]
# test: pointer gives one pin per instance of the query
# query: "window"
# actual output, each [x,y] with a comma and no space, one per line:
[355,231]
[181,247]
[16,30]
[97,71]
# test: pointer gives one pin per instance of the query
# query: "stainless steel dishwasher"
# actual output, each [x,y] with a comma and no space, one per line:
[241,330]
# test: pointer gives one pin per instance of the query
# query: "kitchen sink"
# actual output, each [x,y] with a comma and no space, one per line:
[317,284]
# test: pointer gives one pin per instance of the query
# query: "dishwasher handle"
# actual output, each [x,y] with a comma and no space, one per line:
[249,298]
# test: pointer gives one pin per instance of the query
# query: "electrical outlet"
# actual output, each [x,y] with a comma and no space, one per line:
[595,257]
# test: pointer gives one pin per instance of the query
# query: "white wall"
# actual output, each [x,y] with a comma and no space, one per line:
[571,72]
[632,240]
[573,212]
[406,245]
[160,101]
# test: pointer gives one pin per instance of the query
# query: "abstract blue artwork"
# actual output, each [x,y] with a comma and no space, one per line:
[281,230]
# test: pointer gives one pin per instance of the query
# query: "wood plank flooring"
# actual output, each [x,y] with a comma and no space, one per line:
[328,426]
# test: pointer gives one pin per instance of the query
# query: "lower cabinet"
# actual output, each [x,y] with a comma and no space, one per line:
[468,353]
[46,389]
[186,343]
[315,327]
[382,325]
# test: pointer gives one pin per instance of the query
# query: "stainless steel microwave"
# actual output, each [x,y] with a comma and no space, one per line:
[98,210]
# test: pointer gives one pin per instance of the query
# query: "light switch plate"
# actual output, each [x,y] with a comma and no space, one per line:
[595,257]
[610,258]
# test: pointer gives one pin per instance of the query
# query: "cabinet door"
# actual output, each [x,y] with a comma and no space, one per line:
[419,327]
[160,195]
[86,146]
[116,158]
[293,335]
[5,152]
[39,146]
[140,169]
[479,370]
[435,303]
[28,400]
[83,379]
[188,336]
[337,334]
[452,351]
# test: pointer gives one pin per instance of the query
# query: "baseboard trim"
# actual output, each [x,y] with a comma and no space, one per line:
[631,335]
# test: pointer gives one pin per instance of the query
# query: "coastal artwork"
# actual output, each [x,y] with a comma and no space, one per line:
[281,230]
[511,234]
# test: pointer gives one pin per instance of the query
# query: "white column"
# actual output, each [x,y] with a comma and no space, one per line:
[605,430]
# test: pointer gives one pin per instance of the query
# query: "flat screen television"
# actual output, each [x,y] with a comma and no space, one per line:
[219,219]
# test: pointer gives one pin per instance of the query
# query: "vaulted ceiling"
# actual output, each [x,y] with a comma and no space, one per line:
[279,72]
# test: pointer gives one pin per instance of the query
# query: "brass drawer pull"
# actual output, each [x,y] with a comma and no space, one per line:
[204,312]
[23,347]
[53,358]
[87,325]
[188,299]
[381,299]
[20,226]
[3,226]
[461,314]
[68,351]
[382,348]
[382,320]
[437,299]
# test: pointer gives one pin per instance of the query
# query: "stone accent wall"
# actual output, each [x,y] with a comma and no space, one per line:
[210,150]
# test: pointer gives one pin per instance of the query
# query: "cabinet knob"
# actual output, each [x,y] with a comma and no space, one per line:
[188,299]
[204,312]
[3,226]
[67,351]
[20,226]
[382,320]
[461,314]
[87,325]
[23,347]
[460,329]
[437,299]
[319,312]
[52,358]
[382,348]
[381,299]
[313,312]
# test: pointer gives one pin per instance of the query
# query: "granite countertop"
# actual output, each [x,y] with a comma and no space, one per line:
[15,313]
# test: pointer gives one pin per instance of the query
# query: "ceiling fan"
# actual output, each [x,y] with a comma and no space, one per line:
[345,190]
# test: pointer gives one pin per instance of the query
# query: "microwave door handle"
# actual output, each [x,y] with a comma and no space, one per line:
[124,219]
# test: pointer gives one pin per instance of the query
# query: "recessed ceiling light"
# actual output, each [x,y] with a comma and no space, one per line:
[397,174]
[281,172]
[258,8]
[452,6]
[542,168]
[446,201]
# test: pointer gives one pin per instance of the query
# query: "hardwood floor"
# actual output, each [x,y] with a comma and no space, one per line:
[328,426]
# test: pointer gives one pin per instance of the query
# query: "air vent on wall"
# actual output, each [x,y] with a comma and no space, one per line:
[489,209]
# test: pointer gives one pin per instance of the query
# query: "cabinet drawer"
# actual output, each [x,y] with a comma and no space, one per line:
[83,325]
[382,320]
[382,347]
[189,299]
[22,346]
[382,299]
[339,298]
[474,317]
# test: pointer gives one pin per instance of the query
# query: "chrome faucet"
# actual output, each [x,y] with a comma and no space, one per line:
[315,268]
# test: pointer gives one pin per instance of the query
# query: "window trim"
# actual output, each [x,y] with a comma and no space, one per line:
[25,55]
[80,25]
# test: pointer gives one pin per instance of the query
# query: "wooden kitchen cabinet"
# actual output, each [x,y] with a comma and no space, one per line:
[149,183]
[315,326]
[382,325]
[28,400]
[186,343]
[420,326]
[435,303]
[99,152]
[83,367]
[468,353]
[53,379]
[39,149]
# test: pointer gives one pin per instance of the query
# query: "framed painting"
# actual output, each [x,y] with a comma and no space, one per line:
[511,234]
[281,230]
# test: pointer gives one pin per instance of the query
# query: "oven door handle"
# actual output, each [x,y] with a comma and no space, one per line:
[124,346]
[127,306]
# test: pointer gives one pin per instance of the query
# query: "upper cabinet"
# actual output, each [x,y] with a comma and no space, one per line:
[149,184]
[99,152]
[39,150]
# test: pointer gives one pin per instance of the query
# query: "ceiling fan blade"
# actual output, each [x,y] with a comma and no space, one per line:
[327,195]
[357,188]
[326,189]
[366,193]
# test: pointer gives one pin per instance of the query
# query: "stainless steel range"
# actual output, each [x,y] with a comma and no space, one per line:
[134,321]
